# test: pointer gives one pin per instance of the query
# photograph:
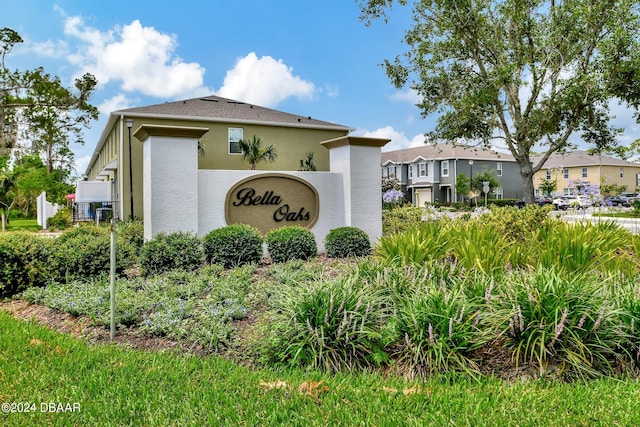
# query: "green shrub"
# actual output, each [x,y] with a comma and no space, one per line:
[61,220]
[344,242]
[401,219]
[85,252]
[23,262]
[291,242]
[173,251]
[131,231]
[233,245]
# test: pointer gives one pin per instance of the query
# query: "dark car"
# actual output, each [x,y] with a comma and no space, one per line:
[539,200]
[616,201]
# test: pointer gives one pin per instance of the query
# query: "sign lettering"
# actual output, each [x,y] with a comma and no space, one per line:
[269,201]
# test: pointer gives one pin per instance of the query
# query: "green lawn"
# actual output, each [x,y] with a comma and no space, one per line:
[23,224]
[116,386]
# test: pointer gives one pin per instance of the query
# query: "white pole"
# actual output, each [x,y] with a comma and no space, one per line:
[112,278]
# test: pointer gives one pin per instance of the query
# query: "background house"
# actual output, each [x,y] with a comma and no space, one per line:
[429,172]
[226,121]
[567,169]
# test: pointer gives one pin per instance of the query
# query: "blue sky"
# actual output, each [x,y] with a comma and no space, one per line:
[314,58]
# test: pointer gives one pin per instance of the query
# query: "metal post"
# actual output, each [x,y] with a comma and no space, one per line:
[112,277]
[129,123]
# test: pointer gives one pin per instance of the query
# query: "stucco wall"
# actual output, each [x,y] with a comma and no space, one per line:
[213,186]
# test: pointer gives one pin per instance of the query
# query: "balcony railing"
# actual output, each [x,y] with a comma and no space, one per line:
[94,211]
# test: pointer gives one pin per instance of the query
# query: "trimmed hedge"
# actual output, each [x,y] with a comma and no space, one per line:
[85,252]
[345,242]
[173,251]
[291,242]
[24,262]
[233,245]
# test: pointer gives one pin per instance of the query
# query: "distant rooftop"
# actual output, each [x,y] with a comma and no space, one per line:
[443,151]
[582,158]
[215,108]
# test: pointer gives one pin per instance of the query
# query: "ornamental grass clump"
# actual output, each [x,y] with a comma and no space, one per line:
[480,247]
[331,326]
[291,242]
[427,243]
[233,245]
[436,330]
[578,247]
[560,324]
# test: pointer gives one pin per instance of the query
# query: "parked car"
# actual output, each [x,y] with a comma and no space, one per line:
[564,202]
[616,201]
[539,200]
[628,196]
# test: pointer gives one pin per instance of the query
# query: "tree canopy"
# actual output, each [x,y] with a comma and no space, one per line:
[532,74]
[39,118]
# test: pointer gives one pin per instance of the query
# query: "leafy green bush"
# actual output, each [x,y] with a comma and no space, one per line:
[233,245]
[131,231]
[399,219]
[344,242]
[173,251]
[85,252]
[291,242]
[61,220]
[24,262]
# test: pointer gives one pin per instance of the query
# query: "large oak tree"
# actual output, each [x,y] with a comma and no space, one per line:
[538,75]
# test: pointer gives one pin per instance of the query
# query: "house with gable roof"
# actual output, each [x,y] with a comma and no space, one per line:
[227,121]
[429,172]
[570,168]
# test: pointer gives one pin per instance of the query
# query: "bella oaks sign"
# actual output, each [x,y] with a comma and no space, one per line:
[269,201]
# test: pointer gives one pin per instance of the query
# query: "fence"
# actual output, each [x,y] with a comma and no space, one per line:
[94,211]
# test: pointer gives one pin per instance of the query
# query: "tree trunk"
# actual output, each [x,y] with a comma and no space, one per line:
[526,174]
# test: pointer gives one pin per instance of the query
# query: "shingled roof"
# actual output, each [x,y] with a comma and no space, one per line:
[443,151]
[580,158]
[218,109]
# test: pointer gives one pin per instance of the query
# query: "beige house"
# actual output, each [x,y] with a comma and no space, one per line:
[223,122]
[567,169]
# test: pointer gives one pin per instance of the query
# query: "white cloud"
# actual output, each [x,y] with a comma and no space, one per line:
[264,81]
[408,95]
[398,141]
[115,103]
[81,164]
[141,58]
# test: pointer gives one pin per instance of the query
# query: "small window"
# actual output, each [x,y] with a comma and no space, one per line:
[392,171]
[235,136]
[567,191]
[445,168]
[499,169]
[584,172]
[621,172]
[410,171]
[548,174]
[565,173]
[422,169]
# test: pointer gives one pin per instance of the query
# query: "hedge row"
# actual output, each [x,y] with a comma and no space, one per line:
[241,244]
[28,259]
